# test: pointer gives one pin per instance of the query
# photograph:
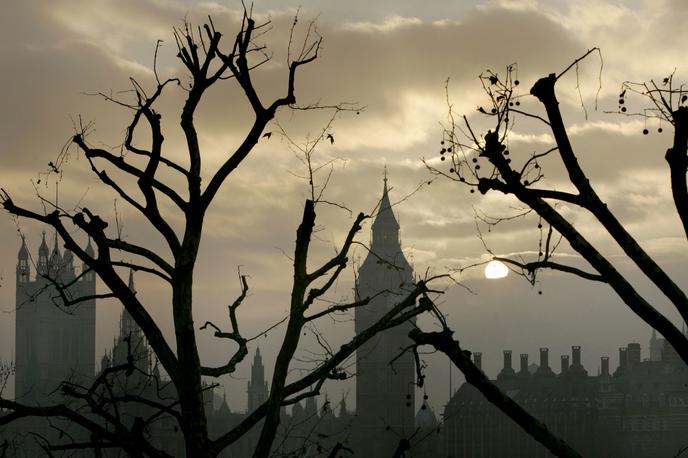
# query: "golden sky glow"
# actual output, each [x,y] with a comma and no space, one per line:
[393,57]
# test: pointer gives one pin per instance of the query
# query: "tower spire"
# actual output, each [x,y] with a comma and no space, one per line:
[23,270]
[23,251]
[257,385]
[43,256]
[131,281]
[385,227]
[127,324]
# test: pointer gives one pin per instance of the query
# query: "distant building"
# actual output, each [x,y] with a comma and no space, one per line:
[257,386]
[141,380]
[53,342]
[385,393]
[53,346]
[639,411]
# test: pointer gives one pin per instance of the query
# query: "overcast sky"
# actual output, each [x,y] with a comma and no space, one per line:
[393,58]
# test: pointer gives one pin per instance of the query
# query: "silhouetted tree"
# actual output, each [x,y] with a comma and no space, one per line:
[484,163]
[95,408]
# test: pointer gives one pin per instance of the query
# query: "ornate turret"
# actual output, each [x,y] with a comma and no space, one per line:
[23,269]
[68,262]
[257,386]
[127,324]
[104,361]
[88,276]
[52,346]
[43,257]
[342,408]
[224,411]
[55,263]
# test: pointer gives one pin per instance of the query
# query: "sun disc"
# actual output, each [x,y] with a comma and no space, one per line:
[496,269]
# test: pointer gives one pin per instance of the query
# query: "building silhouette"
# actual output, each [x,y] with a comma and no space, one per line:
[641,410]
[385,395]
[54,339]
[53,342]
[385,391]
[138,377]
[257,386]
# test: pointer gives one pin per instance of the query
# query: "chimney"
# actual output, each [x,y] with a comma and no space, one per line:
[605,365]
[507,359]
[564,363]
[544,370]
[544,360]
[622,358]
[507,371]
[633,355]
[524,364]
[576,352]
[478,359]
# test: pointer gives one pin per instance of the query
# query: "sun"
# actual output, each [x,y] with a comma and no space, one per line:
[496,269]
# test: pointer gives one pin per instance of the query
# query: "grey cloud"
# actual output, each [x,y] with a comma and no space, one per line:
[256,215]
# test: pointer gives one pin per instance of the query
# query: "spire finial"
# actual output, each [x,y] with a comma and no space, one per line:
[43,250]
[385,177]
[89,248]
[131,280]
[23,251]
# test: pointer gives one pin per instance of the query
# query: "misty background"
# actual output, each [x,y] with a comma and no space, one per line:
[393,58]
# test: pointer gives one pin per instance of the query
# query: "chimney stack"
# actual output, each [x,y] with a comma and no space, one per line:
[576,352]
[478,359]
[507,359]
[507,371]
[544,358]
[605,365]
[622,359]
[633,355]
[564,363]
[544,370]
[524,364]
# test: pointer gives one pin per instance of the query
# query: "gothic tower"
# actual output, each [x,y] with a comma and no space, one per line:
[53,342]
[257,386]
[656,347]
[130,343]
[385,400]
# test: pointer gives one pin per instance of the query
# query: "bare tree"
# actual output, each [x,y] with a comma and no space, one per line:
[94,408]
[484,163]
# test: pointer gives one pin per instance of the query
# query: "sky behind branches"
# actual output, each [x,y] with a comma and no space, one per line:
[393,58]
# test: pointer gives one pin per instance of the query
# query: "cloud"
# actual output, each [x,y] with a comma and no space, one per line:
[388,25]
[391,57]
[634,127]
